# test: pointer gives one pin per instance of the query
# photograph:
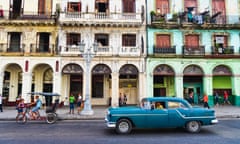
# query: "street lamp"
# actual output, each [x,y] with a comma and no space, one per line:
[87,55]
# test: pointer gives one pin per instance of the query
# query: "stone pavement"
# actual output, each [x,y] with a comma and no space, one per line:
[9,113]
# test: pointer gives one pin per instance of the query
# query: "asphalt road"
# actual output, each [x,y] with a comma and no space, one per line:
[94,132]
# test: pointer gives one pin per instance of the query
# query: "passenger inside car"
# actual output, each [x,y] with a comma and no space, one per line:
[159,105]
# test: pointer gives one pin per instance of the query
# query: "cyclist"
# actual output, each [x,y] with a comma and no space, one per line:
[34,111]
[20,107]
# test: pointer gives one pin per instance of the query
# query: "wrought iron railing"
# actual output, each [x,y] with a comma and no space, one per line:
[222,50]
[164,50]
[12,47]
[42,48]
[193,50]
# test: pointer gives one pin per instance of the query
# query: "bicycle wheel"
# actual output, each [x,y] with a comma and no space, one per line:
[21,119]
[51,118]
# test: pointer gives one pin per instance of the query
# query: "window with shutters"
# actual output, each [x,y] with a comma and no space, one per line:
[129,6]
[163,41]
[162,6]
[129,40]
[73,38]
[192,41]
[218,11]
[74,7]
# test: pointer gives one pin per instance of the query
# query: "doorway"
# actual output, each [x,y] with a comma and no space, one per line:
[196,88]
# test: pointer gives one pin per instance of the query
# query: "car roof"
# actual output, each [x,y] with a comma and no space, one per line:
[163,99]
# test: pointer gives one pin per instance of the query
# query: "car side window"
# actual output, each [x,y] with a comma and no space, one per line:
[146,105]
[159,105]
[173,105]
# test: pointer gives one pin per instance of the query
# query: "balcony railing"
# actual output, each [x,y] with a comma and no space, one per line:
[101,51]
[193,50]
[6,14]
[104,50]
[69,50]
[12,48]
[164,50]
[223,50]
[99,17]
[42,48]
[199,19]
[129,51]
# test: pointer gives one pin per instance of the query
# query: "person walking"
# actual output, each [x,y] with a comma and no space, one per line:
[71,105]
[205,101]
[216,97]
[1,109]
[79,103]
[191,94]
[225,96]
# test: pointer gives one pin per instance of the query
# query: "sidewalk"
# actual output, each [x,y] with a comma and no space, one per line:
[9,113]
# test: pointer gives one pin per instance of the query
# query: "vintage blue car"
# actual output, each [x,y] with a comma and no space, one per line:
[159,112]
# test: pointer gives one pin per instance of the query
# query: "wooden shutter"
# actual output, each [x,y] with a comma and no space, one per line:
[192,41]
[190,3]
[163,6]
[128,6]
[219,6]
[163,41]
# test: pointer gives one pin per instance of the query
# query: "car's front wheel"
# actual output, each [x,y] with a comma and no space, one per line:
[193,126]
[124,126]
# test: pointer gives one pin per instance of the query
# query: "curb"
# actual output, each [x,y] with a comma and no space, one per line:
[101,118]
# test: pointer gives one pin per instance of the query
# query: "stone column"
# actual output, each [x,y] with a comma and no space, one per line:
[115,89]
[1,81]
[208,89]
[142,86]
[57,80]
[26,86]
[236,90]
[179,86]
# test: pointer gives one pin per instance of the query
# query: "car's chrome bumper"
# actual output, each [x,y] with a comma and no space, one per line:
[110,124]
[214,121]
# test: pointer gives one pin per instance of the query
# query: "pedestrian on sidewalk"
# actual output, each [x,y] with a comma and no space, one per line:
[225,96]
[71,105]
[216,97]
[1,109]
[79,103]
[205,101]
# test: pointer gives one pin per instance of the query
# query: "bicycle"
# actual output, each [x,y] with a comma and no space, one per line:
[22,118]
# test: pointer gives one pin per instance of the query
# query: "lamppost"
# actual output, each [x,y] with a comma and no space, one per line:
[87,54]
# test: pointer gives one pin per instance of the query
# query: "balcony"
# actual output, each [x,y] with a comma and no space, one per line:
[104,50]
[73,50]
[27,15]
[228,50]
[164,50]
[198,21]
[129,51]
[11,49]
[42,49]
[104,19]
[193,51]
[69,50]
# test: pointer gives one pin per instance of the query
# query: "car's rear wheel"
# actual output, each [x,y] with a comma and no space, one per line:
[124,126]
[193,126]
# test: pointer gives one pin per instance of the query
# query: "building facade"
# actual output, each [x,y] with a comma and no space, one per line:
[44,43]
[193,46]
[140,48]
